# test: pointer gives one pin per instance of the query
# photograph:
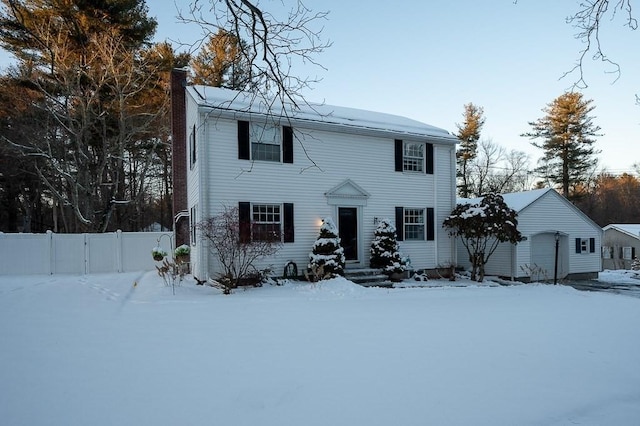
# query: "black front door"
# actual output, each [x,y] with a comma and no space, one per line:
[348,231]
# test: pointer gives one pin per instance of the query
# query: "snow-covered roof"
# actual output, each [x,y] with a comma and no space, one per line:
[515,200]
[348,118]
[628,228]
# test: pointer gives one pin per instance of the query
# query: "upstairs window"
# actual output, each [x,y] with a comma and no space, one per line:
[413,157]
[265,142]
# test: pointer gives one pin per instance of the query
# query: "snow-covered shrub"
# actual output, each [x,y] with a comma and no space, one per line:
[481,227]
[385,251]
[635,266]
[326,259]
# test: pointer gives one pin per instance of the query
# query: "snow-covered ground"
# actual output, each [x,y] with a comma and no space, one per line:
[99,350]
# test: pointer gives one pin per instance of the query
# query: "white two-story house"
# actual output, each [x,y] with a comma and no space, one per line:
[286,169]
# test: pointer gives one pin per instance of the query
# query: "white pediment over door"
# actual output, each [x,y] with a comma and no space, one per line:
[347,193]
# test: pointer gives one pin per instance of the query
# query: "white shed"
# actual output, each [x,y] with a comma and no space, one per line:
[550,224]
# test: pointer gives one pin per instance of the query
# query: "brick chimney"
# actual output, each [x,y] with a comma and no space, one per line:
[179,156]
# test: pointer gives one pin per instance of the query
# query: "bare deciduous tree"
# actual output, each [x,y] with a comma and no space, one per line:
[494,169]
[236,252]
[588,21]
[275,42]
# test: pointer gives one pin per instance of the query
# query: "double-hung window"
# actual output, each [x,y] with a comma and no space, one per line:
[413,224]
[266,222]
[627,253]
[265,142]
[413,157]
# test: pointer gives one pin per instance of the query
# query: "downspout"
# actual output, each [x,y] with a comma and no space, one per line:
[435,204]
[454,251]
[203,192]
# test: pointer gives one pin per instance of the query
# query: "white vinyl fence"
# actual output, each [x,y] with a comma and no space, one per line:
[22,254]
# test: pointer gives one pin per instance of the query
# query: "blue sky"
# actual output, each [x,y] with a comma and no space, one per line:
[425,59]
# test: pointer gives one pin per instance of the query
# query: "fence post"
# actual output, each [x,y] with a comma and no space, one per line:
[86,253]
[119,250]
[52,255]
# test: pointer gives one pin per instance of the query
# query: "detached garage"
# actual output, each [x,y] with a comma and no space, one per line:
[547,220]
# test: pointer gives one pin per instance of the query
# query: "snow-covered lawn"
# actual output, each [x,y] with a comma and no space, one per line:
[97,350]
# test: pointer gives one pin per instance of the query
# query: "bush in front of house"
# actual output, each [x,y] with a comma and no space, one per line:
[236,249]
[326,259]
[385,251]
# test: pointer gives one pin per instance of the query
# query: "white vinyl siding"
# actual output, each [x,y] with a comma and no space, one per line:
[328,159]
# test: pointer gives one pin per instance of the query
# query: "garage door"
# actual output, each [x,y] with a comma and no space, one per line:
[543,252]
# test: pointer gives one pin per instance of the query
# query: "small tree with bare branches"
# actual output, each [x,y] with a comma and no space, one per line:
[273,42]
[231,243]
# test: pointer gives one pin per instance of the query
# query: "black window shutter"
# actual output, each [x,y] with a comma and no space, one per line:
[193,145]
[244,217]
[399,152]
[429,158]
[592,245]
[244,145]
[288,223]
[578,245]
[431,224]
[287,144]
[400,223]
[633,252]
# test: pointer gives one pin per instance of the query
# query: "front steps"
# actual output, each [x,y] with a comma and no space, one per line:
[367,277]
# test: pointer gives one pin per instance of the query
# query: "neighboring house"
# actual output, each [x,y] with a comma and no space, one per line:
[543,216]
[288,169]
[620,246]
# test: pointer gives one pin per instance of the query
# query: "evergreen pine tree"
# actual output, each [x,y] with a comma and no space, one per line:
[469,134]
[568,133]
[221,63]
[384,249]
[326,259]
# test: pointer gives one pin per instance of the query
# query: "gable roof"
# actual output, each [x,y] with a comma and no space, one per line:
[226,100]
[519,201]
[633,230]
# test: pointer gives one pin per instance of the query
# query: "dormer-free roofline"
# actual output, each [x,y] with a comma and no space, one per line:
[230,104]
